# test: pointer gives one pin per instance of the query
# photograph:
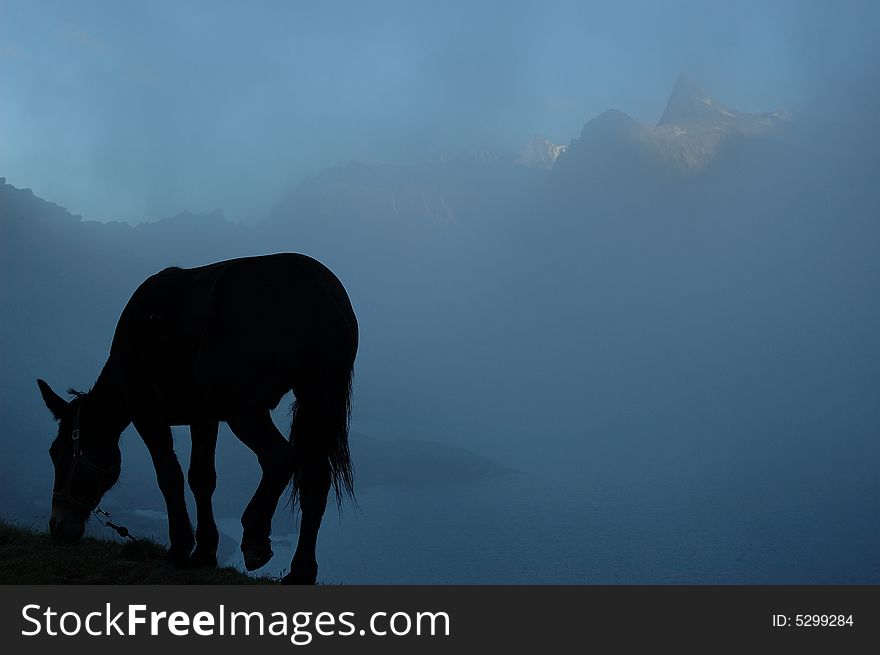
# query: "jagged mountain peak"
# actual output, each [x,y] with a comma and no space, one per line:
[610,121]
[694,129]
[689,103]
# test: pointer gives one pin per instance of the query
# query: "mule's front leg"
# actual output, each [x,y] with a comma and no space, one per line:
[170,477]
[202,481]
[259,433]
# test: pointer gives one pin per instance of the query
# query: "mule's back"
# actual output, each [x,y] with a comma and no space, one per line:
[275,324]
[241,332]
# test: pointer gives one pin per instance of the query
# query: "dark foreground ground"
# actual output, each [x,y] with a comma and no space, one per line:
[28,556]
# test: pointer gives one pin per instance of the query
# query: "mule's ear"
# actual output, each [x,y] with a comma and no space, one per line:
[56,404]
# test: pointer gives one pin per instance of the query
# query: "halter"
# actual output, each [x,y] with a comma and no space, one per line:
[79,458]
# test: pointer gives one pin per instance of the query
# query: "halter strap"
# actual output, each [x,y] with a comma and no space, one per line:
[80,458]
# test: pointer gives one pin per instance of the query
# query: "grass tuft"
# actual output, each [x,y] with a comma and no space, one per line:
[29,556]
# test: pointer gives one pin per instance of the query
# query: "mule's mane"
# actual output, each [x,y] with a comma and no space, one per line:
[79,397]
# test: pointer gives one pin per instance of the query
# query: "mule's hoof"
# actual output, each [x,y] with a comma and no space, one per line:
[256,557]
[203,559]
[299,578]
[178,559]
[303,570]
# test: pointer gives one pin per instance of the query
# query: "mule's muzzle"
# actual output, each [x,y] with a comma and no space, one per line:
[63,525]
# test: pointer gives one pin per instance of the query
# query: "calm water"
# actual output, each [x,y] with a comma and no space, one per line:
[516,529]
[520,528]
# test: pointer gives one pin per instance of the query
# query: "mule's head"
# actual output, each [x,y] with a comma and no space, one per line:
[86,458]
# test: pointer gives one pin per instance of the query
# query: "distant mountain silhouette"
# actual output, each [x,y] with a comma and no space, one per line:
[693,131]
[409,200]
[31,228]
[615,157]
[415,201]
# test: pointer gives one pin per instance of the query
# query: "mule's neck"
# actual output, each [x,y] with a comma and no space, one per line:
[106,404]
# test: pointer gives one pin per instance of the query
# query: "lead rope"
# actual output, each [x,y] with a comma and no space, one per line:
[123,532]
[107,519]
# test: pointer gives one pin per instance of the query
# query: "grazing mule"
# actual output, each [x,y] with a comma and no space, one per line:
[223,342]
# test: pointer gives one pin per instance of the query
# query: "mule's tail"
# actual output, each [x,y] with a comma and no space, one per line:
[319,437]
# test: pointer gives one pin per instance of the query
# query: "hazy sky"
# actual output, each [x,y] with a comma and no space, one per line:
[135,111]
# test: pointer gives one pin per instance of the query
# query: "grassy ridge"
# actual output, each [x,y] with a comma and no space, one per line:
[28,556]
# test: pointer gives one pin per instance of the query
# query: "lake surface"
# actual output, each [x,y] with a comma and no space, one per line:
[520,530]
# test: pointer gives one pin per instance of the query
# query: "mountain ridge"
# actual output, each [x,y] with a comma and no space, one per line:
[692,133]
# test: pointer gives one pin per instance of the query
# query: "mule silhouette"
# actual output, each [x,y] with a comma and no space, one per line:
[223,342]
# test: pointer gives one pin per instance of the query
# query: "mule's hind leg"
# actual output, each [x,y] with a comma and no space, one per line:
[170,477]
[203,480]
[258,432]
[312,433]
[313,489]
